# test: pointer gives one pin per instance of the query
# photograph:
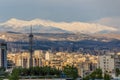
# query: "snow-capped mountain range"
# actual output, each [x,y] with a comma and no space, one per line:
[47,26]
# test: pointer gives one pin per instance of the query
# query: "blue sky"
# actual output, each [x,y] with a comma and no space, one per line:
[61,10]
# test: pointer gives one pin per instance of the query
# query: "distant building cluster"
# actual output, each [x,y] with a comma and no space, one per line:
[85,63]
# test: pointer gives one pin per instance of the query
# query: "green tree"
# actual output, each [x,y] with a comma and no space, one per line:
[2,71]
[71,71]
[1,79]
[97,74]
[117,71]
[14,75]
[34,71]
[107,76]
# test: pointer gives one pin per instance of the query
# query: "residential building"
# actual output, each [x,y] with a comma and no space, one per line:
[117,60]
[3,54]
[106,63]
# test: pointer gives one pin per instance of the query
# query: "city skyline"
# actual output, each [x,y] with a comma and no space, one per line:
[60,39]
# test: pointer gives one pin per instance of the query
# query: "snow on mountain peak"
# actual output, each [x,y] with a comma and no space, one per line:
[72,26]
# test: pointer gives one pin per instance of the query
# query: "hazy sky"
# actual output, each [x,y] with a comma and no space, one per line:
[62,10]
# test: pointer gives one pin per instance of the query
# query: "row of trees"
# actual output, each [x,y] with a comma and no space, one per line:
[38,71]
[97,74]
[68,71]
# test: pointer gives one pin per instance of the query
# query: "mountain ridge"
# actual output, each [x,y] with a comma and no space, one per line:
[63,27]
[46,41]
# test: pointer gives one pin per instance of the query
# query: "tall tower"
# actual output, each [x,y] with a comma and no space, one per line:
[3,54]
[31,48]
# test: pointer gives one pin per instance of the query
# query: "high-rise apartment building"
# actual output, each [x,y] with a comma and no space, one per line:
[117,61]
[106,63]
[3,54]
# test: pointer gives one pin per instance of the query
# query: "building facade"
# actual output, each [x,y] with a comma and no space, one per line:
[3,54]
[117,61]
[106,63]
